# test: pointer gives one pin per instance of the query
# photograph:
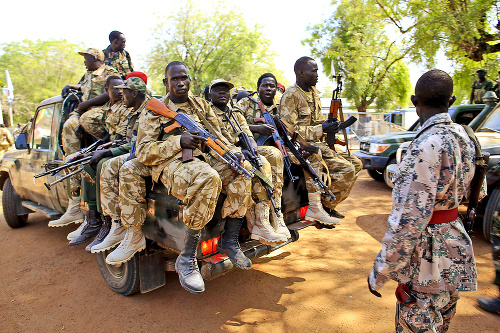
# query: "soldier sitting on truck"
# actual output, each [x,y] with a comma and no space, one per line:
[261,213]
[116,56]
[300,106]
[197,183]
[92,86]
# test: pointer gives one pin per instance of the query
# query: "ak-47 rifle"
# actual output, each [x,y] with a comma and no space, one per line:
[253,158]
[335,109]
[211,140]
[267,118]
[301,149]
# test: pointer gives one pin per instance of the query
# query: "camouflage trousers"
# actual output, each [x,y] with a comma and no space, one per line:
[495,244]
[272,161]
[71,140]
[91,121]
[109,186]
[431,313]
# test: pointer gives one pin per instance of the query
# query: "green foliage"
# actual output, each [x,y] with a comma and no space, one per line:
[212,44]
[39,70]
[354,37]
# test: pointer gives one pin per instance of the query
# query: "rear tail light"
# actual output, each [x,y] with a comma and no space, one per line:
[303,211]
[209,246]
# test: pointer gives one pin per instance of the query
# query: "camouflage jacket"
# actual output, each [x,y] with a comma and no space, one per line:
[93,83]
[480,88]
[236,118]
[250,110]
[132,126]
[157,148]
[434,175]
[303,111]
[118,60]
[115,119]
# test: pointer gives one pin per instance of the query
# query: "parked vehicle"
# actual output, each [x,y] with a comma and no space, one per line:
[39,148]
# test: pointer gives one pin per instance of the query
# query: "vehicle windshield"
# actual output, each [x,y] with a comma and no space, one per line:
[492,123]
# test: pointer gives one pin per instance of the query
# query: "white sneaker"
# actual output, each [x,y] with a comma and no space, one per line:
[73,214]
[133,242]
[115,236]
[75,234]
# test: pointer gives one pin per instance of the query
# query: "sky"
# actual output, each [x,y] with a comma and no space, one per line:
[284,24]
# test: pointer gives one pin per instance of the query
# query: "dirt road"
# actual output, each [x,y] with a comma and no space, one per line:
[317,284]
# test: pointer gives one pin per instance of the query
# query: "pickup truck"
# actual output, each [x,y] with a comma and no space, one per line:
[38,148]
[377,152]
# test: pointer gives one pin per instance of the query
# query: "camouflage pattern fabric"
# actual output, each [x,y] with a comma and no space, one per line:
[115,119]
[495,244]
[93,83]
[431,312]
[6,141]
[434,175]
[251,110]
[480,88]
[275,160]
[119,61]
[109,186]
[71,140]
[91,121]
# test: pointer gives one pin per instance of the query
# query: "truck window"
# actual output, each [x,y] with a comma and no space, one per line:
[42,128]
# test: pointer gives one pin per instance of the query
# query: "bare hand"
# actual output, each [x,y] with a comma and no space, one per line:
[265,129]
[190,140]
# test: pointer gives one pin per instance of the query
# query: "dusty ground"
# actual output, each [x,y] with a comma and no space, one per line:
[317,284]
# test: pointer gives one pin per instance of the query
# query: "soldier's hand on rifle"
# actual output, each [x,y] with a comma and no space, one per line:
[190,140]
[331,126]
[99,155]
[247,154]
[264,129]
[65,91]
[241,158]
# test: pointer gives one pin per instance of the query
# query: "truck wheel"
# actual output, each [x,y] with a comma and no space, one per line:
[387,177]
[123,279]
[10,202]
[489,212]
[378,175]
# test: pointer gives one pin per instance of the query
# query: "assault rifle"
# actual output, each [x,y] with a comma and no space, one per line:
[301,149]
[267,118]
[211,140]
[253,158]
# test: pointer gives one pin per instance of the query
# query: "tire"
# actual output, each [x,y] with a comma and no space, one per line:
[387,178]
[123,279]
[491,207]
[378,175]
[10,202]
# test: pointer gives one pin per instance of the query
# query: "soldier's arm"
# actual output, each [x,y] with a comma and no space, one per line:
[412,210]
[151,151]
[290,110]
[96,101]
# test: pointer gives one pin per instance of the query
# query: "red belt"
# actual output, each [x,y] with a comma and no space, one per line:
[444,216]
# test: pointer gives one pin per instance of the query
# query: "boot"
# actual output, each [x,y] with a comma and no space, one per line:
[316,211]
[491,305]
[133,242]
[114,237]
[250,215]
[186,265]
[92,228]
[73,214]
[228,243]
[279,224]
[106,226]
[333,212]
[74,234]
[262,230]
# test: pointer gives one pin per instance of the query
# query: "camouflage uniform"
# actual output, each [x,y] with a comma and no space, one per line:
[118,60]
[480,88]
[92,85]
[106,119]
[197,183]
[6,141]
[303,111]
[436,261]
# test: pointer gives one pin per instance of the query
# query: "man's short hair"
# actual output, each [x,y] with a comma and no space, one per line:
[114,35]
[301,62]
[263,76]
[172,64]
[434,89]
[111,77]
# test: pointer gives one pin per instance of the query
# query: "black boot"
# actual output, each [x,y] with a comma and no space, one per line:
[106,226]
[491,305]
[186,265]
[228,244]
[92,228]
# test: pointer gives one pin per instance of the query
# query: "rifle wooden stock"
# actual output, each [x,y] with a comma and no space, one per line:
[159,107]
[334,108]
[259,120]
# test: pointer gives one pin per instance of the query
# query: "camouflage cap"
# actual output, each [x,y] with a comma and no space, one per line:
[135,83]
[94,52]
[221,81]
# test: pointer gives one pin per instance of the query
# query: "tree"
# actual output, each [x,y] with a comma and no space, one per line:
[39,70]
[213,44]
[467,27]
[354,38]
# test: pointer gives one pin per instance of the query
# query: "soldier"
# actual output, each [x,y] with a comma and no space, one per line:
[426,248]
[496,87]
[197,183]
[116,56]
[300,106]
[6,140]
[480,87]
[493,305]
[18,129]
[260,213]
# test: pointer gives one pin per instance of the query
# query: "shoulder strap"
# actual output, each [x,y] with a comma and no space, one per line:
[477,145]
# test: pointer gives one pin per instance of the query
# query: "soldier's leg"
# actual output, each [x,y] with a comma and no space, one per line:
[91,121]
[71,140]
